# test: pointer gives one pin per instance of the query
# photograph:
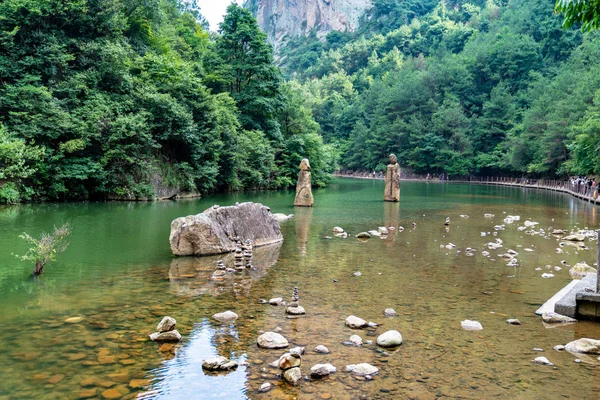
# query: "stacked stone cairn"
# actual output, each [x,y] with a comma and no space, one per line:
[238,257]
[166,331]
[247,252]
[294,308]
[219,273]
[290,363]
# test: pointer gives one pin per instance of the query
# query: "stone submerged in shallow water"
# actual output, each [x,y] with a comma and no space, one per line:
[390,312]
[513,321]
[282,217]
[471,325]
[321,370]
[584,345]
[355,340]
[219,363]
[226,316]
[275,301]
[363,235]
[355,322]
[272,340]
[166,324]
[73,320]
[170,336]
[362,369]
[265,387]
[299,310]
[542,361]
[322,349]
[290,360]
[575,237]
[581,269]
[293,375]
[555,318]
[389,339]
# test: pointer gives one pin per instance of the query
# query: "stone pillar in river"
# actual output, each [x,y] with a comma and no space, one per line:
[304,197]
[392,180]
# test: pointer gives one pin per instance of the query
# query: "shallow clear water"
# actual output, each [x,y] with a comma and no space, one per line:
[118,274]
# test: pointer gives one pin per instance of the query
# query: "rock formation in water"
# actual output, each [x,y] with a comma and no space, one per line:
[392,180]
[281,18]
[166,331]
[304,197]
[215,230]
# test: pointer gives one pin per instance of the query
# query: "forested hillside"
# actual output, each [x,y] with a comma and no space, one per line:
[461,87]
[133,99]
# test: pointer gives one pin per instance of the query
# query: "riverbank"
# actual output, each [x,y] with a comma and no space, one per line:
[579,191]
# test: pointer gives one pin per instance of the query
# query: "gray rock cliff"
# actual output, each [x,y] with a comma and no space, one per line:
[279,18]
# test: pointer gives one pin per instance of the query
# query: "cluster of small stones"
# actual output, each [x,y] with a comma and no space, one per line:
[291,361]
[166,331]
[242,260]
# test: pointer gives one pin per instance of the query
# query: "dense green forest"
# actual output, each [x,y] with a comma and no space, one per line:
[461,87]
[134,99]
[127,99]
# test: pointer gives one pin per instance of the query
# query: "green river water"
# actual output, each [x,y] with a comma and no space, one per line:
[119,276]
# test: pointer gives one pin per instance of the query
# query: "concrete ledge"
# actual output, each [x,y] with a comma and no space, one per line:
[568,304]
[588,305]
[549,305]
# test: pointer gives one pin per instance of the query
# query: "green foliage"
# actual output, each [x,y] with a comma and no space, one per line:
[114,99]
[479,87]
[249,75]
[17,165]
[46,248]
[584,12]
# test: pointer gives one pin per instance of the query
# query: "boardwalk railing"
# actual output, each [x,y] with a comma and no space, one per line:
[582,190]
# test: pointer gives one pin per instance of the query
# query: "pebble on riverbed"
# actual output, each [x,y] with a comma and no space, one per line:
[390,312]
[471,325]
[225,317]
[542,361]
[355,322]
[219,364]
[322,370]
[272,340]
[389,339]
[322,349]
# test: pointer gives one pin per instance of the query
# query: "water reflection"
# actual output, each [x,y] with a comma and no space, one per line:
[121,280]
[183,377]
[391,212]
[190,276]
[303,219]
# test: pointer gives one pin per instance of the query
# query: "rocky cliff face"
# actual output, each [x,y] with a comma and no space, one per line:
[279,18]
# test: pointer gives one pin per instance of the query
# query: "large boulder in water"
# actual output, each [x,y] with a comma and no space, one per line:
[214,231]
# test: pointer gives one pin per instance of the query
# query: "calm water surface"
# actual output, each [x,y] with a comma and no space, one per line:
[119,276]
